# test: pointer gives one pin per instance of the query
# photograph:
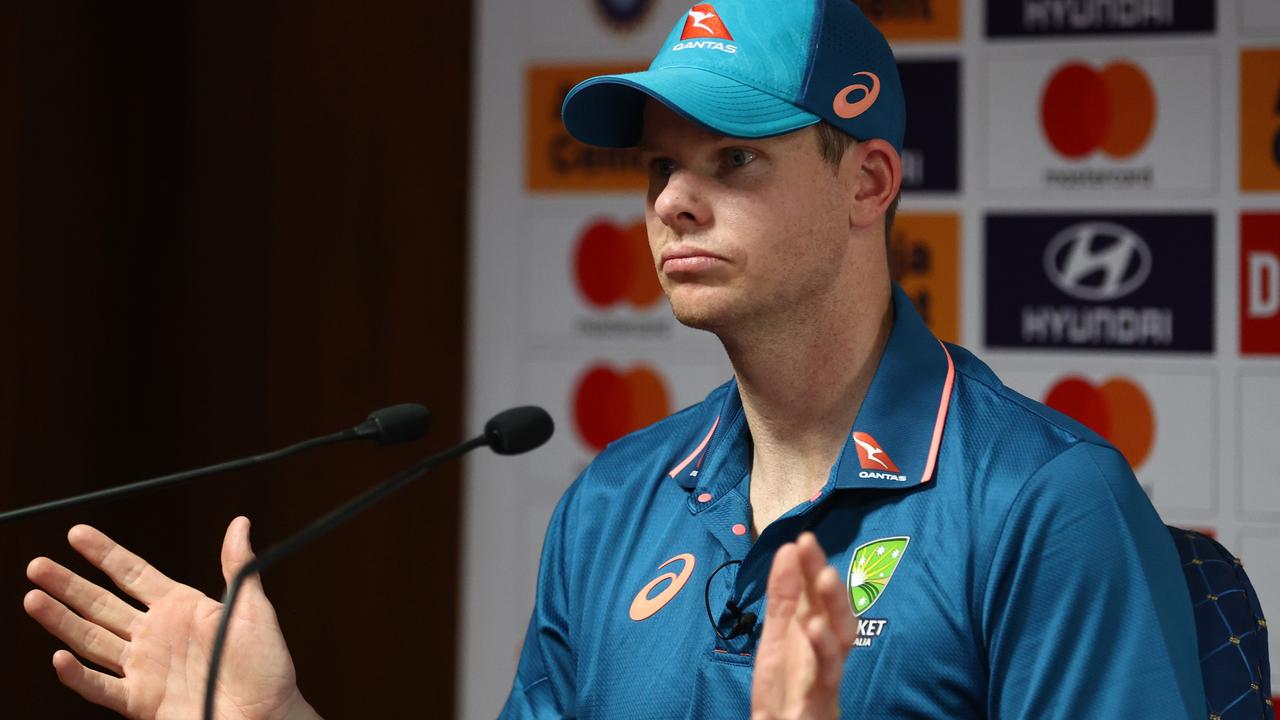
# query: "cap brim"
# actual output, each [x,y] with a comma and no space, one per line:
[607,111]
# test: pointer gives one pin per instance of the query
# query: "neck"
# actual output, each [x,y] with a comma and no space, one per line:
[802,382]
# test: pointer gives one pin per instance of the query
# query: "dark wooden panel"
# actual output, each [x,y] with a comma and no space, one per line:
[225,227]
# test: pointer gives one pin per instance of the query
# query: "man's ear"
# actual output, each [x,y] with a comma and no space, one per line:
[876,176]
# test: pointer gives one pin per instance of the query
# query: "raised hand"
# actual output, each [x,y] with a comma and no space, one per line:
[158,659]
[808,631]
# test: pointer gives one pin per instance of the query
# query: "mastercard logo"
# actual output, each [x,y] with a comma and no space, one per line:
[1083,110]
[1118,410]
[608,404]
[612,265]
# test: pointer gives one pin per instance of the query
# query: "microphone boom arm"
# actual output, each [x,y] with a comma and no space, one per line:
[313,531]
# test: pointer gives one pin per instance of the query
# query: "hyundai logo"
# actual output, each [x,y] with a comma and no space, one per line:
[1097,261]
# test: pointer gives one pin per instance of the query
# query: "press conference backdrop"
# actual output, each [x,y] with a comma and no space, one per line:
[1092,203]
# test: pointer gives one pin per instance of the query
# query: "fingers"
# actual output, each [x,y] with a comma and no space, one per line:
[129,572]
[236,550]
[90,641]
[770,679]
[784,590]
[828,591]
[830,626]
[96,687]
[90,601]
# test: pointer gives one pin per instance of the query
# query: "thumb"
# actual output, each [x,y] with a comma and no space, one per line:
[237,552]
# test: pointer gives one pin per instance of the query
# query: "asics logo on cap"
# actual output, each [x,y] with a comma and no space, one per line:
[704,22]
[850,110]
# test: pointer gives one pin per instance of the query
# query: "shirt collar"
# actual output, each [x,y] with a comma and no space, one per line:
[894,441]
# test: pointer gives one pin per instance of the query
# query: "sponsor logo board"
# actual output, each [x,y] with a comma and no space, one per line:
[925,261]
[622,15]
[1107,123]
[1260,119]
[914,19]
[1259,451]
[609,402]
[1164,424]
[586,31]
[556,161]
[1020,18]
[1260,284]
[1118,409]
[1259,17]
[1122,282]
[596,397]
[591,277]
[931,147]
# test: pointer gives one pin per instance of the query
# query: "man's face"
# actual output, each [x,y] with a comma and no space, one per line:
[744,233]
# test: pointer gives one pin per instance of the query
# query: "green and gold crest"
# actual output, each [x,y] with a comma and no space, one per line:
[871,569]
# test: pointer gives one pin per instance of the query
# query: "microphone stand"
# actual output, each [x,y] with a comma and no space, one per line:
[389,426]
[154,483]
[315,530]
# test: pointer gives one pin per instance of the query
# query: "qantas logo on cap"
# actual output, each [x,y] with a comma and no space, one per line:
[704,22]
[875,461]
[703,30]
[850,110]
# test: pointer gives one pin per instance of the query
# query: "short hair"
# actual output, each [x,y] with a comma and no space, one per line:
[832,144]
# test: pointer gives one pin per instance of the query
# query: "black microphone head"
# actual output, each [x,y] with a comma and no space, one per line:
[396,424]
[518,430]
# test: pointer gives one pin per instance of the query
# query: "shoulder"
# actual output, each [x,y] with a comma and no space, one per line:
[1009,451]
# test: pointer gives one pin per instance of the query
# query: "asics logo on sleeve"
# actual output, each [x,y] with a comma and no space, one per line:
[850,110]
[643,607]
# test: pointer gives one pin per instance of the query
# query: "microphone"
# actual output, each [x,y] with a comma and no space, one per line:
[743,622]
[510,432]
[388,426]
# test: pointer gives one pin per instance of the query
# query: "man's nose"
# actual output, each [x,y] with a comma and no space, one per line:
[681,203]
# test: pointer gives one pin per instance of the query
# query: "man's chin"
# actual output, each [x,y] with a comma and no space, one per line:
[700,316]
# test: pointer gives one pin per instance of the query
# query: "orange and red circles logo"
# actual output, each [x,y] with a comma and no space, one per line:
[609,404]
[1118,410]
[1084,110]
[612,264]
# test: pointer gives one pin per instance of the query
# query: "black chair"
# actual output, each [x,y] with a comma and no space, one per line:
[1230,627]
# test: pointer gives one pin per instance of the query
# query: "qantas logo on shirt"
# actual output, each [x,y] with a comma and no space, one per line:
[875,461]
[703,30]
[643,606]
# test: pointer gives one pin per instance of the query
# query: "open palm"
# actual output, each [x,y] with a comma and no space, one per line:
[158,658]
[808,631]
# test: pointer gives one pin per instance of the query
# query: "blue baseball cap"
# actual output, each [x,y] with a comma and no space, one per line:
[754,68]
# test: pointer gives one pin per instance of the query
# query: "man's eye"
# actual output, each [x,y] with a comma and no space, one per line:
[662,167]
[737,157]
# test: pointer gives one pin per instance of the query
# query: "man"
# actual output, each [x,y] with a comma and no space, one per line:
[963,551]
[862,522]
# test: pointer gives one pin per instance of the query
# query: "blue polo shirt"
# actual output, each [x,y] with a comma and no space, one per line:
[1001,557]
